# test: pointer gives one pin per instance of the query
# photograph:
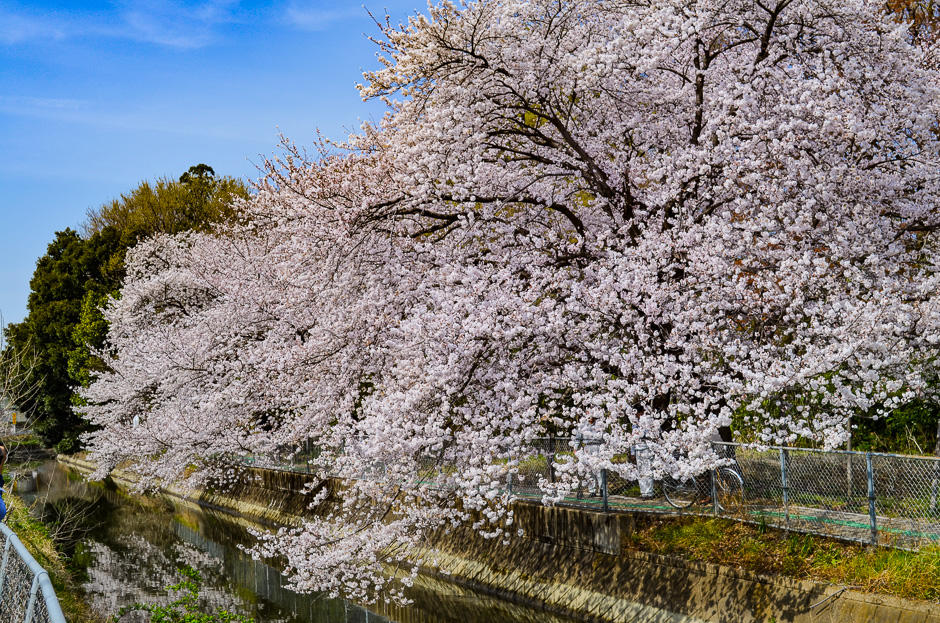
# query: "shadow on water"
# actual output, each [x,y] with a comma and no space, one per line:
[127,549]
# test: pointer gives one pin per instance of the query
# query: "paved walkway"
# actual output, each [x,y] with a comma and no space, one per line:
[895,532]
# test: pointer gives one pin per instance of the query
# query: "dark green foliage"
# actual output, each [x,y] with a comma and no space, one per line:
[185,609]
[88,336]
[911,429]
[71,267]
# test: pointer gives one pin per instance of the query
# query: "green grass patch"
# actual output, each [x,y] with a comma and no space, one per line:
[12,441]
[25,466]
[35,536]
[911,575]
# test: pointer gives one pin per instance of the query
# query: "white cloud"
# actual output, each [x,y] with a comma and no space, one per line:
[311,16]
[176,24]
[17,28]
[156,119]
[18,104]
[170,24]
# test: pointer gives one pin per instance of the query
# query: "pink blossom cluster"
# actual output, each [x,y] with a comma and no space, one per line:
[643,219]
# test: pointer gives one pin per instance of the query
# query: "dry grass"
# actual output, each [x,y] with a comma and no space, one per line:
[35,536]
[911,575]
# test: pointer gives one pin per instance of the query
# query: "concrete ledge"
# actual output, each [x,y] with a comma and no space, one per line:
[268,497]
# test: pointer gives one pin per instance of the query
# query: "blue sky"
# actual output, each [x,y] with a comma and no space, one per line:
[95,97]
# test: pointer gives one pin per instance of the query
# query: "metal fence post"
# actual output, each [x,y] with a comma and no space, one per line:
[33,590]
[552,450]
[714,493]
[871,499]
[604,488]
[784,455]
[509,477]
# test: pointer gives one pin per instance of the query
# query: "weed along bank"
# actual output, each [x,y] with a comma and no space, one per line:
[637,565]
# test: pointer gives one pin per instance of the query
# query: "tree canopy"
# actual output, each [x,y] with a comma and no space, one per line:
[79,272]
[196,201]
[646,219]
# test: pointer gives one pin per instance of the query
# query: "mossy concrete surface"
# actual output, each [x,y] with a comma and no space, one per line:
[555,562]
[265,496]
[578,562]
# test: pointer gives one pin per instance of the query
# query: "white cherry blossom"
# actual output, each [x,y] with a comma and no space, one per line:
[652,216]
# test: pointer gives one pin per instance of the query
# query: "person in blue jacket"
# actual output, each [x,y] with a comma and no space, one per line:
[3,460]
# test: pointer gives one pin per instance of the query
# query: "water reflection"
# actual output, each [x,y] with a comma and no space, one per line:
[127,549]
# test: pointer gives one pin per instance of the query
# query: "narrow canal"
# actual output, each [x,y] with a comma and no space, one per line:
[126,549]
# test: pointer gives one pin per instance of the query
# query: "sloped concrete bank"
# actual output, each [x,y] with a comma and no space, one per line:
[576,562]
[268,497]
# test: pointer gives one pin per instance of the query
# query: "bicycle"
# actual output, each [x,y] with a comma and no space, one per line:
[728,487]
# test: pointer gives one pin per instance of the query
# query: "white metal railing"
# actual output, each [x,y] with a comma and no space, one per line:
[26,593]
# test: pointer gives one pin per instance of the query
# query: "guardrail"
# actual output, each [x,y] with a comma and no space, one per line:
[868,497]
[26,593]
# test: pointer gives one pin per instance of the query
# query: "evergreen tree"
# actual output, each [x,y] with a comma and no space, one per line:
[71,267]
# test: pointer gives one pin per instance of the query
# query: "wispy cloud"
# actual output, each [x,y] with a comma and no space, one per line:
[174,24]
[170,24]
[18,104]
[313,16]
[17,28]
[107,116]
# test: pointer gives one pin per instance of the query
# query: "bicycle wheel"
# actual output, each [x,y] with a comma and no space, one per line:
[730,489]
[680,493]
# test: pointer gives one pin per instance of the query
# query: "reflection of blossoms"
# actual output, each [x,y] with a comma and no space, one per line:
[192,557]
[656,216]
[115,579]
[186,605]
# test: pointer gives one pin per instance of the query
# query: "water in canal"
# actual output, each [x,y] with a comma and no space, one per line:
[127,549]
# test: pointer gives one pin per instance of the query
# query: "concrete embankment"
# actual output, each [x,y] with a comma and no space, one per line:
[577,562]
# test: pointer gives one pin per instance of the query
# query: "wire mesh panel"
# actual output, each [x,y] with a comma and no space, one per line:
[868,497]
[763,491]
[539,469]
[827,493]
[40,611]
[537,465]
[620,487]
[26,594]
[905,502]
[17,582]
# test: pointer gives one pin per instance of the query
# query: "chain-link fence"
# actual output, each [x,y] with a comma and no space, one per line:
[26,594]
[877,498]
[886,499]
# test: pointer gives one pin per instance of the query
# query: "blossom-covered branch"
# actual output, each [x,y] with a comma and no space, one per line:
[642,218]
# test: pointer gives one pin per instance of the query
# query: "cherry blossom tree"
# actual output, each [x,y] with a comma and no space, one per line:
[650,218]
